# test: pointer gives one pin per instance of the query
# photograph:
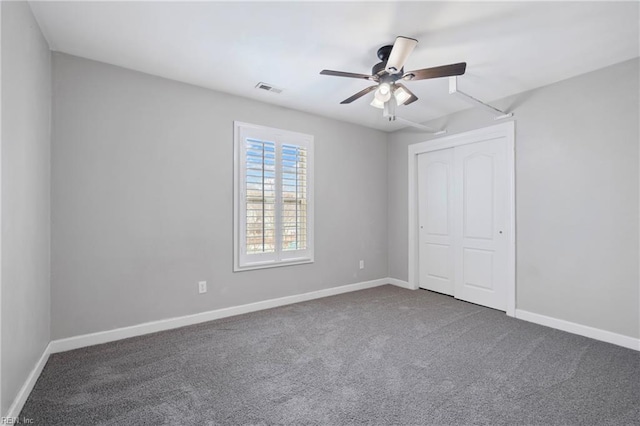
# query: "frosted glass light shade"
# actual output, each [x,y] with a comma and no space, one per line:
[383,93]
[376,103]
[401,95]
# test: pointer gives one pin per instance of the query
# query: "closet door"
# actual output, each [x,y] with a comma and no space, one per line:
[481,232]
[436,221]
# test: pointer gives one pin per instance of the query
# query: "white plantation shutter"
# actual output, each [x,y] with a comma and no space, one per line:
[273,193]
[294,197]
[260,196]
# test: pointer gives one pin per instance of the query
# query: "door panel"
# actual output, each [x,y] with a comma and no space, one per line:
[435,216]
[481,239]
[478,268]
[478,196]
[437,197]
[438,261]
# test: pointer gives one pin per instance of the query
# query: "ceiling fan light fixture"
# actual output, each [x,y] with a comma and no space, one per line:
[383,93]
[401,95]
[376,103]
[389,73]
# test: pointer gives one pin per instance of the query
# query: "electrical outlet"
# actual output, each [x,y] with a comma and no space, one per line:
[362,264]
[202,287]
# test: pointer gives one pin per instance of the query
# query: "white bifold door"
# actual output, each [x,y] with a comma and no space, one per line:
[463,215]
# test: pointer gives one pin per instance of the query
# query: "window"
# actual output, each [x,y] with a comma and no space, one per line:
[273,197]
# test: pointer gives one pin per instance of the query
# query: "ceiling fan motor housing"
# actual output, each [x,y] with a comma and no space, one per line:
[384,77]
[384,52]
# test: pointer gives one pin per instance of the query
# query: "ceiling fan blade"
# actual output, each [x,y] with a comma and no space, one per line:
[436,72]
[412,97]
[401,50]
[359,94]
[347,74]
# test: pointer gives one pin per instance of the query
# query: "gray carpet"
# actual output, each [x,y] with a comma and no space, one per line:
[381,356]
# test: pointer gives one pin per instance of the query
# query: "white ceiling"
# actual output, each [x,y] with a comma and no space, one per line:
[509,47]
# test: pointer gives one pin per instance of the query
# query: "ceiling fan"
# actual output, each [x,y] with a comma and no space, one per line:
[389,74]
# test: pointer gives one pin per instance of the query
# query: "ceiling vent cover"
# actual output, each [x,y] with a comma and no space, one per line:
[268,87]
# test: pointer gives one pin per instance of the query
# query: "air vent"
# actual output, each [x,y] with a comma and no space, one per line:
[268,87]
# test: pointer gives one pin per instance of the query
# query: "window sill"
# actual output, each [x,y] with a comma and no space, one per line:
[266,265]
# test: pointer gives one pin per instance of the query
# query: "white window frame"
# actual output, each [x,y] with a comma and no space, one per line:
[241,260]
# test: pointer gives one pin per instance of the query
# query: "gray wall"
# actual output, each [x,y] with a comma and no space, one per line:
[26,105]
[576,197]
[142,200]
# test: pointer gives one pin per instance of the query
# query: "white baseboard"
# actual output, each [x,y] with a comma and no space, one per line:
[27,387]
[400,283]
[582,330]
[91,339]
[77,342]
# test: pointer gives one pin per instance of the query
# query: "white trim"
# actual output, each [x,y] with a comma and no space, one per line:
[582,330]
[27,387]
[400,283]
[273,264]
[511,196]
[503,130]
[1,414]
[82,341]
[91,339]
